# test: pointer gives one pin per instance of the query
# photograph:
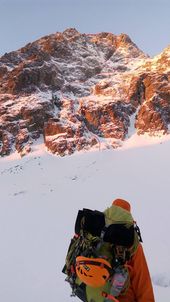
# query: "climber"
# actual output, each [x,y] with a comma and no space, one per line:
[105,260]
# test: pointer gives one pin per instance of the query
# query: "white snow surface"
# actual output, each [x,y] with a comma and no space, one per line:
[41,194]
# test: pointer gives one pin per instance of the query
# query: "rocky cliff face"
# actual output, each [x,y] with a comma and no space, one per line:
[79,91]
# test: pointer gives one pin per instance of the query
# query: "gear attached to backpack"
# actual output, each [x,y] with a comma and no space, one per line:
[93,271]
[98,253]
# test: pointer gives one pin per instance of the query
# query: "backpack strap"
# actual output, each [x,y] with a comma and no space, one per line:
[137,229]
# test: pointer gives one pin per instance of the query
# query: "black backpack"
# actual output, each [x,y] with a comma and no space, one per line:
[115,242]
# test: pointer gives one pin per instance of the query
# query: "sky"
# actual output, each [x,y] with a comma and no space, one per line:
[147,22]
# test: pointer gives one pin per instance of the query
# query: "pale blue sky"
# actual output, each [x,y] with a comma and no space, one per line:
[147,22]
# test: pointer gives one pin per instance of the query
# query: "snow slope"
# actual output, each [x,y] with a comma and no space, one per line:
[40,197]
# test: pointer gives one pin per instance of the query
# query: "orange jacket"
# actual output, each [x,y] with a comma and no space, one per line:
[140,289]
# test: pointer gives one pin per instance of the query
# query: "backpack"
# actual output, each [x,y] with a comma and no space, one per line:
[98,253]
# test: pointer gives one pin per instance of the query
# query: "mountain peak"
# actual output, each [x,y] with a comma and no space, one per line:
[70,32]
[80,91]
[124,39]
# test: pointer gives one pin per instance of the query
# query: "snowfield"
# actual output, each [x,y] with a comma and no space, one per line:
[41,194]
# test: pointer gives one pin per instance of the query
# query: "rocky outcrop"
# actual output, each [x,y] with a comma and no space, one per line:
[154,113]
[80,91]
[109,121]
[62,138]
[21,121]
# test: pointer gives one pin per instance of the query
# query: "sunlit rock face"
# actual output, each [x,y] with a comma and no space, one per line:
[81,91]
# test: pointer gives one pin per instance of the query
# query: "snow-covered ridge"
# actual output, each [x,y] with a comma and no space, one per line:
[81,89]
